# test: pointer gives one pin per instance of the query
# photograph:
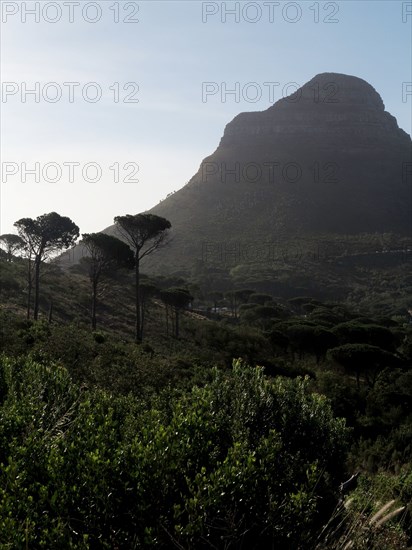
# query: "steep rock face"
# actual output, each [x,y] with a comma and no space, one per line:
[330,104]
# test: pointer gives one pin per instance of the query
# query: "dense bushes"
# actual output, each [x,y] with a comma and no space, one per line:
[243,460]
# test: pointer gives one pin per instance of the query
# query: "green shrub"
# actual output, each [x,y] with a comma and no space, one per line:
[245,457]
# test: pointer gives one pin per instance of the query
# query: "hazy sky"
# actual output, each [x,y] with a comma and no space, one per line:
[161,54]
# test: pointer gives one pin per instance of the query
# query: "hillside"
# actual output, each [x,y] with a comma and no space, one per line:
[105,442]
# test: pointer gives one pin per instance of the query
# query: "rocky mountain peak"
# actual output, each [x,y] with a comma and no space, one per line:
[339,89]
[335,105]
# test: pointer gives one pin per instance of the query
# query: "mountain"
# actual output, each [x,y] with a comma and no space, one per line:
[325,163]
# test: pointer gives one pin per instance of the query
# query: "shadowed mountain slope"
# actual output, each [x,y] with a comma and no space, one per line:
[323,162]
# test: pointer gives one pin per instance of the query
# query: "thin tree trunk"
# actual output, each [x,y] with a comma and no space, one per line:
[137,282]
[167,319]
[143,319]
[94,301]
[30,284]
[50,311]
[36,287]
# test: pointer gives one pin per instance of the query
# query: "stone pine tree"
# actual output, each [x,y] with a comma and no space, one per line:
[144,233]
[44,236]
[11,244]
[104,253]
[177,299]
[216,297]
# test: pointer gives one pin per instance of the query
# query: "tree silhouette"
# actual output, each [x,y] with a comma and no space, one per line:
[216,297]
[363,358]
[144,233]
[232,300]
[11,243]
[365,333]
[43,236]
[242,295]
[105,252]
[177,299]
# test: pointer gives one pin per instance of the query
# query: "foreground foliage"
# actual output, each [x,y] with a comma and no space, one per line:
[105,444]
[243,460]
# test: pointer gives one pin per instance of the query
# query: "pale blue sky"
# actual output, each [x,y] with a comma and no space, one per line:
[169,53]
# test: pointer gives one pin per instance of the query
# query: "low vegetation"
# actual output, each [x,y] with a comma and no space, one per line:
[231,423]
